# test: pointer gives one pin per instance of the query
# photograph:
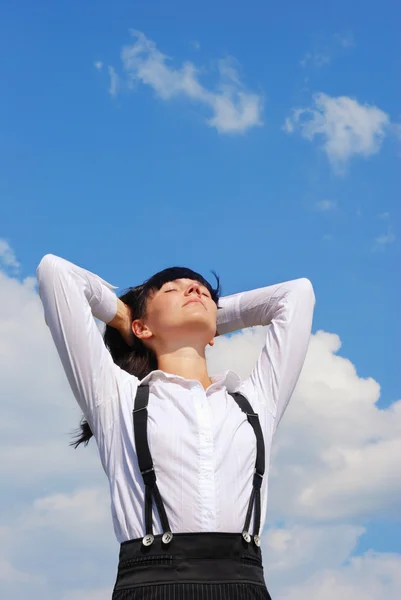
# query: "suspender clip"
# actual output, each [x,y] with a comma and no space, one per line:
[147,471]
[149,477]
[257,480]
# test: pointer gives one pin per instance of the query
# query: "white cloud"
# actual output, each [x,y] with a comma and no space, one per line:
[38,411]
[8,573]
[345,127]
[114,81]
[7,255]
[336,452]
[99,65]
[233,109]
[316,563]
[334,464]
[289,550]
[77,514]
[325,205]
[373,576]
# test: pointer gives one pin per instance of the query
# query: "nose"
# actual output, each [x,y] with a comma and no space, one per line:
[194,288]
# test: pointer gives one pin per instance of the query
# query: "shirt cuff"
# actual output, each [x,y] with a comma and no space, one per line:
[104,301]
[228,315]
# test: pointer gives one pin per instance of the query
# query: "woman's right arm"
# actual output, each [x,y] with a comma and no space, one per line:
[71,297]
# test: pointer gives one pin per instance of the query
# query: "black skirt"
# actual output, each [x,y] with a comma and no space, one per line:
[194,566]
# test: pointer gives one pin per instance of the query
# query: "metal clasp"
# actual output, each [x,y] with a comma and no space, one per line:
[147,471]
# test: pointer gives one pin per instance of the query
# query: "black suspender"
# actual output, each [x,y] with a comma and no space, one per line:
[140,416]
[147,470]
[253,420]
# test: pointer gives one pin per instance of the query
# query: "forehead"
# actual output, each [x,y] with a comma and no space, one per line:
[184,281]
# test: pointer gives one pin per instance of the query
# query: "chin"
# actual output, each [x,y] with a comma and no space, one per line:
[197,325]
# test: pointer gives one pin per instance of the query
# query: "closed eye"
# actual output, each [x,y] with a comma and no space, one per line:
[172,290]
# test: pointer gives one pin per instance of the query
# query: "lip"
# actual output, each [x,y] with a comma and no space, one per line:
[194,300]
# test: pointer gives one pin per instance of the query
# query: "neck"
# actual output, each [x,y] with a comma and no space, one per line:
[185,362]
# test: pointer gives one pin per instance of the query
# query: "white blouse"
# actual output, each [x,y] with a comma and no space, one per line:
[202,445]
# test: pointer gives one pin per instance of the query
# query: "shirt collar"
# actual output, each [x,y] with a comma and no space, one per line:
[228,379]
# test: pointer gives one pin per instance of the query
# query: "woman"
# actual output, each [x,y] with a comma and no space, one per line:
[186,454]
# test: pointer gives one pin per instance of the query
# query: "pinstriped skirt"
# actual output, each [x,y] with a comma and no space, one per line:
[195,566]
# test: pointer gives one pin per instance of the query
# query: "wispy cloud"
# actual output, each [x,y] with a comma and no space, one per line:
[385,239]
[321,57]
[346,40]
[233,109]
[325,205]
[315,59]
[7,255]
[345,127]
[114,81]
[99,65]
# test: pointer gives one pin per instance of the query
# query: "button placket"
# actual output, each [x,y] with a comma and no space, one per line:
[206,462]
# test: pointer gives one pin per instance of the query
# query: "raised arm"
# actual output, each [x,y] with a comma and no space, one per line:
[71,297]
[287,309]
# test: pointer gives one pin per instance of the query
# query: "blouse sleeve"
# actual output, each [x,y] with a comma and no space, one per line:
[71,298]
[287,310]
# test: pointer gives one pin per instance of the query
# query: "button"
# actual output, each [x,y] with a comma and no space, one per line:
[167,537]
[148,539]
[209,514]
[207,475]
[256,539]
[207,438]
[246,536]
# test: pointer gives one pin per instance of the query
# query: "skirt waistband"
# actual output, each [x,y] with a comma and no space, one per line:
[190,557]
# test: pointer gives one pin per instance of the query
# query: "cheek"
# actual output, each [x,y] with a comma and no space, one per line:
[162,310]
[213,310]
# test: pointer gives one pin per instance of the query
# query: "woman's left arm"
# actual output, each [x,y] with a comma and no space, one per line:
[287,309]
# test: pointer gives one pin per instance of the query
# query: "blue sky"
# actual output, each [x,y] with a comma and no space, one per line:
[273,154]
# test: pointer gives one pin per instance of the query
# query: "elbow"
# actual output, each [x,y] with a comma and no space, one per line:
[46,267]
[305,289]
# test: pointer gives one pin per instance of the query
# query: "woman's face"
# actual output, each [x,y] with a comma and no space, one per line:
[181,311]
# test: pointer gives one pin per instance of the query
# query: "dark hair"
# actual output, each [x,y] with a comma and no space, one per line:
[138,359]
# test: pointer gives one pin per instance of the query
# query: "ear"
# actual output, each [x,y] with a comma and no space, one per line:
[141,330]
